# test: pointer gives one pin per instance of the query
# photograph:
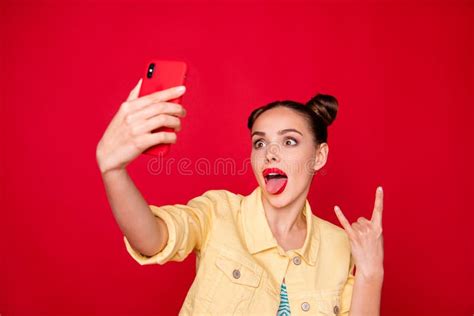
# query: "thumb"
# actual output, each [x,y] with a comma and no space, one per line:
[135,91]
[343,220]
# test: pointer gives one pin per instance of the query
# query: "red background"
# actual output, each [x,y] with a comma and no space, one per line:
[402,71]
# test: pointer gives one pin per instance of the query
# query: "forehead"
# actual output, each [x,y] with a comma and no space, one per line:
[279,118]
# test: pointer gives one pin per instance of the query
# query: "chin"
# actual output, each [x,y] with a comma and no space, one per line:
[279,200]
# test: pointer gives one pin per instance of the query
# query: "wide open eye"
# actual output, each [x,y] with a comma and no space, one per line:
[259,143]
[291,141]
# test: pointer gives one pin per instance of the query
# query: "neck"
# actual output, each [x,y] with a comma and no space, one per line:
[285,220]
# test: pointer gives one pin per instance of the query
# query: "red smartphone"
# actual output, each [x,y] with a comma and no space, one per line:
[161,75]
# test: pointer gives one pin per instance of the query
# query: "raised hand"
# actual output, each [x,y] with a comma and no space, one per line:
[130,131]
[366,239]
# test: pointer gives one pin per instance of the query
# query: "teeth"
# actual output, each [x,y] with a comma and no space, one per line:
[275,174]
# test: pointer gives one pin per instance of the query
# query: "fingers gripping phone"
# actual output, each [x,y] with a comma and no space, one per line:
[160,75]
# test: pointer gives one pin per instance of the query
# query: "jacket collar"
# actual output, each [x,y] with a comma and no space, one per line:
[259,237]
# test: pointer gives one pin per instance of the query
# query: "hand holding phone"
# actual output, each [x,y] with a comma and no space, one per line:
[130,131]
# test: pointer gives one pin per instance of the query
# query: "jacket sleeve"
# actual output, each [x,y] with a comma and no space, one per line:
[346,296]
[188,228]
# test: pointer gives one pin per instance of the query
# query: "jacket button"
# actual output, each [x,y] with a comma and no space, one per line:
[297,260]
[236,274]
[305,306]
[336,309]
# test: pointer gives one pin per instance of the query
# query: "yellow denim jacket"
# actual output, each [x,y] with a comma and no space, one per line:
[240,266]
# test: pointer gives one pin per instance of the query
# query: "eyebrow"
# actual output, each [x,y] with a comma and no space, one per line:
[283,131]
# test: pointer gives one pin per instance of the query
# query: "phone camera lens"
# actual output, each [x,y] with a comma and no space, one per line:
[150,71]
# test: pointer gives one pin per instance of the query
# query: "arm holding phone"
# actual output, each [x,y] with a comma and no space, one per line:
[128,135]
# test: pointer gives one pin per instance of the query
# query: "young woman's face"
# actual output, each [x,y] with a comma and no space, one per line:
[284,155]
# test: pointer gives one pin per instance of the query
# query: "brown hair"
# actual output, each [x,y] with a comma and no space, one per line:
[320,111]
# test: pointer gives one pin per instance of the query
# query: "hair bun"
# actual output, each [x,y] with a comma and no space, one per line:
[325,106]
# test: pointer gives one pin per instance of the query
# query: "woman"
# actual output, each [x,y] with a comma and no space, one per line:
[261,254]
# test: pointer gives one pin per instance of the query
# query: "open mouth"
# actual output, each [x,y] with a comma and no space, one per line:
[275,180]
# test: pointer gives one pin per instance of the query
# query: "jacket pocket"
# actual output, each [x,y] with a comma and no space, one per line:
[322,302]
[239,270]
[330,306]
[235,278]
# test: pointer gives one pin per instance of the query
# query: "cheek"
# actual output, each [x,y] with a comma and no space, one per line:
[255,161]
[301,164]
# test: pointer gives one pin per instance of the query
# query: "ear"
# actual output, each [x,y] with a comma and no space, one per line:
[321,156]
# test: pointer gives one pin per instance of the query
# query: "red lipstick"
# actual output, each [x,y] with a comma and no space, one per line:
[275,180]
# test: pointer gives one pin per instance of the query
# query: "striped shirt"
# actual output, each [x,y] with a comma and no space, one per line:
[284,308]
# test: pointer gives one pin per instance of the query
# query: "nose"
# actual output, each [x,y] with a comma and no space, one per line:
[272,153]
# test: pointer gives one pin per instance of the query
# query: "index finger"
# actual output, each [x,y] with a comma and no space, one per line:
[378,207]
[159,96]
